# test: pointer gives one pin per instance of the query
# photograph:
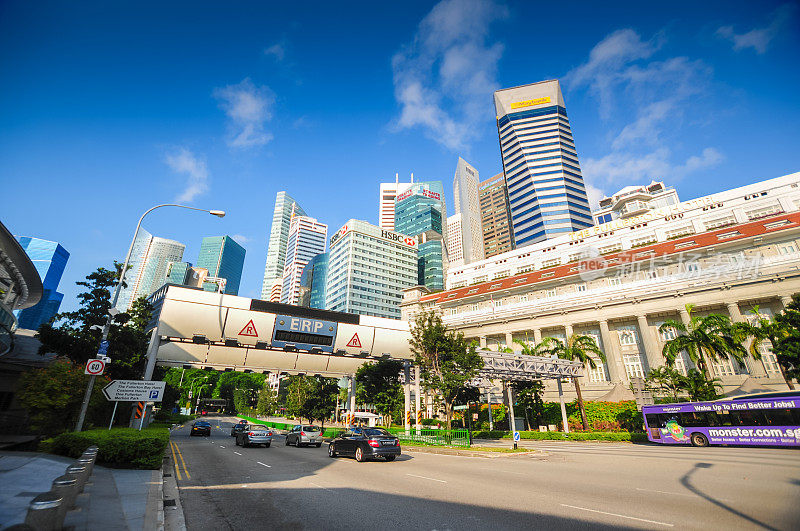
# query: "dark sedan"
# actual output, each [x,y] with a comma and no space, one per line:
[365,443]
[238,428]
[201,427]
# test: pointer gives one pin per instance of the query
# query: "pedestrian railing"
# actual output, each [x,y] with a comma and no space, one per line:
[432,437]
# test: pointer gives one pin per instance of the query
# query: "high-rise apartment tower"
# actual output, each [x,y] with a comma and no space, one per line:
[149,261]
[546,193]
[285,206]
[306,239]
[495,216]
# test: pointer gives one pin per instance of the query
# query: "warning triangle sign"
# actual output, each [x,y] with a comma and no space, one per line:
[249,330]
[355,342]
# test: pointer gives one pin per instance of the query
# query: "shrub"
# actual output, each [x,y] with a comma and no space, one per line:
[117,448]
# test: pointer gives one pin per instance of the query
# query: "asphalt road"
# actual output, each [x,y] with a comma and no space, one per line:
[574,485]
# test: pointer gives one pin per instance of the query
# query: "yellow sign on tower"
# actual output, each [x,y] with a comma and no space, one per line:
[530,103]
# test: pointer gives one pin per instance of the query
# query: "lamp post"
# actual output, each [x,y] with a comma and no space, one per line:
[112,311]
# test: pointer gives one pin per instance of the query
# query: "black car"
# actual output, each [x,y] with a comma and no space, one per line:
[238,428]
[201,427]
[365,443]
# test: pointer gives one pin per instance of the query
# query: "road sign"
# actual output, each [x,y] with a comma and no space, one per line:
[95,367]
[135,391]
[103,347]
[516,436]
[459,408]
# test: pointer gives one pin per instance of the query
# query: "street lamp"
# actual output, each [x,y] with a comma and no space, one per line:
[113,310]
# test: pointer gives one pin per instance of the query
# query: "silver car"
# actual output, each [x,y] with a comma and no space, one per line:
[304,436]
[254,434]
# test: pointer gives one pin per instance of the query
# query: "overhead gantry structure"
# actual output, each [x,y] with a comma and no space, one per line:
[192,328]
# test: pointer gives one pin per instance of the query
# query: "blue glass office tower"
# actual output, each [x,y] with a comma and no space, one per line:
[50,259]
[546,193]
[421,211]
[224,258]
[312,282]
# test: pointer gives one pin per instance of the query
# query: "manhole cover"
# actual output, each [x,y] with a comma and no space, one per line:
[169,503]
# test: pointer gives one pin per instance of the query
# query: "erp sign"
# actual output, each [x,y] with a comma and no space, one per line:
[303,333]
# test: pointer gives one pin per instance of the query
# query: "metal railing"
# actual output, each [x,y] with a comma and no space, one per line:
[432,437]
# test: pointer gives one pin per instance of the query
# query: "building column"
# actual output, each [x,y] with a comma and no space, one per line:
[785,301]
[754,367]
[567,331]
[510,340]
[482,341]
[616,369]
[654,357]
[351,398]
[417,397]
[407,395]
[537,336]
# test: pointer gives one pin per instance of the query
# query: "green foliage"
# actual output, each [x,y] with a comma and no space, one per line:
[117,448]
[311,397]
[786,344]
[667,380]
[248,385]
[706,339]
[446,360]
[560,436]
[53,396]
[75,338]
[529,399]
[700,388]
[379,384]
[267,402]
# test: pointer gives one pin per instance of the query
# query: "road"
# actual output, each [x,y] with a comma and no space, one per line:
[573,485]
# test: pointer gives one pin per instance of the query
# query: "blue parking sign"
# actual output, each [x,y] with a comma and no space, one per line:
[516,436]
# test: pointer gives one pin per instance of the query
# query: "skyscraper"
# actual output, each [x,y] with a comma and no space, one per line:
[368,268]
[224,258]
[307,238]
[455,242]
[50,259]
[546,193]
[278,235]
[420,211]
[178,272]
[465,191]
[312,282]
[495,216]
[390,191]
[149,260]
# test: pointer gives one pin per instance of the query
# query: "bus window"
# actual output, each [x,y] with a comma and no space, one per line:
[693,419]
[748,418]
[782,417]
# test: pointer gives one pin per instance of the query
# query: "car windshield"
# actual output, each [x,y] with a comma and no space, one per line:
[377,432]
[202,424]
[310,428]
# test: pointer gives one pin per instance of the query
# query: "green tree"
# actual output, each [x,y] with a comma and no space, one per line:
[576,348]
[267,402]
[786,344]
[701,388]
[446,360]
[53,395]
[239,388]
[379,384]
[666,379]
[529,398]
[77,334]
[706,340]
[322,402]
[299,390]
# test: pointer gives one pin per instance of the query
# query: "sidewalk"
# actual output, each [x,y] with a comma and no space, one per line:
[111,499]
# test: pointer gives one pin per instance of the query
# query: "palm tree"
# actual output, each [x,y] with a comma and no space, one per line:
[706,339]
[764,329]
[577,348]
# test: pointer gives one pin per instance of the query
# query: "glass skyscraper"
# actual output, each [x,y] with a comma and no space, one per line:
[50,259]
[546,193]
[178,272]
[306,239]
[312,282]
[224,258]
[421,211]
[285,206]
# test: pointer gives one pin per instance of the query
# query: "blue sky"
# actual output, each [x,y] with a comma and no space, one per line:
[108,108]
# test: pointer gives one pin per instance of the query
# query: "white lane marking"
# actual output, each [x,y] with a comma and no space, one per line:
[675,493]
[237,453]
[221,446]
[618,515]
[424,477]
[319,486]
[264,464]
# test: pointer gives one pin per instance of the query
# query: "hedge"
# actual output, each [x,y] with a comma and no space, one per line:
[560,436]
[117,447]
[329,432]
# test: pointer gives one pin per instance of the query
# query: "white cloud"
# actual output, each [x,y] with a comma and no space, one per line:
[249,108]
[759,38]
[241,239]
[184,162]
[444,78]
[646,101]
[278,51]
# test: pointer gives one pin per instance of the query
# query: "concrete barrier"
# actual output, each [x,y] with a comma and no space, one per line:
[44,512]
[67,487]
[88,462]
[79,472]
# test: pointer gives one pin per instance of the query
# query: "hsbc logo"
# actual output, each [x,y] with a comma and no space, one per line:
[393,236]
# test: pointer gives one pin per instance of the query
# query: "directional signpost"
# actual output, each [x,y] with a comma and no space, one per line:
[133,391]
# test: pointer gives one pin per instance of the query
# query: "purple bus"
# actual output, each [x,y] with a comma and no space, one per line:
[766,419]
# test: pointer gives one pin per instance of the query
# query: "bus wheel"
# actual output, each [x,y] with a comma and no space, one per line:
[698,439]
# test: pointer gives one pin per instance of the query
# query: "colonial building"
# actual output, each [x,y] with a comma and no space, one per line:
[618,282]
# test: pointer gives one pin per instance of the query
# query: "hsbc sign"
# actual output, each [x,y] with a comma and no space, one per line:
[338,235]
[393,236]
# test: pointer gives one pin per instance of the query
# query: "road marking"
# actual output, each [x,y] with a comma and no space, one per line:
[424,477]
[319,486]
[676,493]
[618,515]
[264,464]
[185,468]
[221,446]
[175,461]
[237,453]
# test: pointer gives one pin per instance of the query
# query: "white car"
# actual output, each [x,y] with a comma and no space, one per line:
[304,436]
